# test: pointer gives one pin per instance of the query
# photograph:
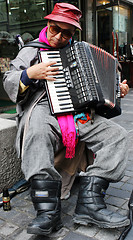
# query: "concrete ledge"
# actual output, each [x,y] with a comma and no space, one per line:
[10,165]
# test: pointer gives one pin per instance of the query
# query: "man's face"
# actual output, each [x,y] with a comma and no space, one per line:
[58,33]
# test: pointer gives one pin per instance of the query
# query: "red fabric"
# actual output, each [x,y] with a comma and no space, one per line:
[65,12]
[87,119]
[67,127]
[66,122]
[42,36]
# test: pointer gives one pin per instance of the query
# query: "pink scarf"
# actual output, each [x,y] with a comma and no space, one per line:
[66,122]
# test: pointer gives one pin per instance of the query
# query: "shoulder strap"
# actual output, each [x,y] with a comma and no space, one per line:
[37,44]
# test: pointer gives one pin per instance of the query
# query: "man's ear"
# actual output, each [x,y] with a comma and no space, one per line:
[48,22]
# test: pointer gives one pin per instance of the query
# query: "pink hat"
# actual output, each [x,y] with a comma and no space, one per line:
[65,12]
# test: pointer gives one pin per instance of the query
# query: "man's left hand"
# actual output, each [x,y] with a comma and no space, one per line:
[124,88]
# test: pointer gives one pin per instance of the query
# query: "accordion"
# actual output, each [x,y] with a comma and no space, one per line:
[88,78]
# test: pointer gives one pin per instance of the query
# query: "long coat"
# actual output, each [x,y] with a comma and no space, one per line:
[26,101]
[25,58]
[105,138]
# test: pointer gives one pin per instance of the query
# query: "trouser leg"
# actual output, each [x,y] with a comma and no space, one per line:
[109,143]
[42,140]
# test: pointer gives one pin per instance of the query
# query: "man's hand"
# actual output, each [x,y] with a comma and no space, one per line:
[43,71]
[124,88]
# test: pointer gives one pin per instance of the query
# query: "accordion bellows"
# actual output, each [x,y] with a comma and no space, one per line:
[88,78]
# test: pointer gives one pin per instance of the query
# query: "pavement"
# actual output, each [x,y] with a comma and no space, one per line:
[13,223]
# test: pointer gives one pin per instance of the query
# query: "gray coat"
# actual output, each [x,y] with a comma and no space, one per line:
[43,136]
[25,58]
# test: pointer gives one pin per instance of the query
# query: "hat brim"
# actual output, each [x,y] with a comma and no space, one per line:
[63,19]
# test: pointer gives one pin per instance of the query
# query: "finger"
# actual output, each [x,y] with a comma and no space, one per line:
[52,72]
[124,81]
[124,91]
[50,78]
[124,86]
[122,95]
[50,63]
[50,68]
[53,69]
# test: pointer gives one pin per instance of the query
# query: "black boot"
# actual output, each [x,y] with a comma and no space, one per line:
[91,207]
[46,199]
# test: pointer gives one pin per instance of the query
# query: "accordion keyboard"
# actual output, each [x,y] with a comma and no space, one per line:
[88,78]
[58,90]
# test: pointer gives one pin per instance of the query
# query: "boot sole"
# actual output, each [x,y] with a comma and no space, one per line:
[40,231]
[83,220]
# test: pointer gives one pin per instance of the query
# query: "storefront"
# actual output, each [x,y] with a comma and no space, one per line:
[108,24]
[24,17]
[114,32]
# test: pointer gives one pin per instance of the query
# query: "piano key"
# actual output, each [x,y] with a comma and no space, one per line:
[65,99]
[56,65]
[55,95]
[59,82]
[50,84]
[56,59]
[63,85]
[65,103]
[58,108]
[68,108]
[52,52]
[63,94]
[55,82]
[59,77]
[60,86]
[62,98]
[61,103]
[62,91]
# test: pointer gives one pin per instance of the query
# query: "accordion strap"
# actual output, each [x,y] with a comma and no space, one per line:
[37,44]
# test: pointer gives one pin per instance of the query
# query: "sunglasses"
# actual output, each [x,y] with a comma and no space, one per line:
[55,29]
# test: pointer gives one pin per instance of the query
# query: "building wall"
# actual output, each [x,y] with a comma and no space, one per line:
[89,21]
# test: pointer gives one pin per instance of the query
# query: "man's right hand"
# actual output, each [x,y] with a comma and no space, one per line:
[43,71]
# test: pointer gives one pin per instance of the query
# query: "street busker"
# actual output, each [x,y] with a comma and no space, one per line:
[40,135]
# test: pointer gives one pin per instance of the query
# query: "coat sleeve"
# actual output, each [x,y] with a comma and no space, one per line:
[25,58]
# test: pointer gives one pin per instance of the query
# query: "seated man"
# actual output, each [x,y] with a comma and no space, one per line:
[40,135]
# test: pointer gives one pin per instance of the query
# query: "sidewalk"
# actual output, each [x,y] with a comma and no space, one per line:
[13,223]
